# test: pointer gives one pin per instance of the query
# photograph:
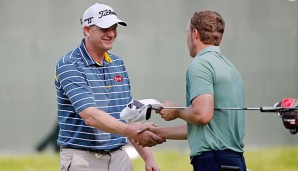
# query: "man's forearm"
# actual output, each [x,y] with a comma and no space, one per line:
[200,112]
[173,132]
[144,152]
[103,121]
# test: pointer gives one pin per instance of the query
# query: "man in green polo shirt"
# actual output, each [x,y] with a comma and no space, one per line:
[215,138]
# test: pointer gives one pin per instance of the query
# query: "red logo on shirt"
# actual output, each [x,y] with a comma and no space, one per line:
[118,78]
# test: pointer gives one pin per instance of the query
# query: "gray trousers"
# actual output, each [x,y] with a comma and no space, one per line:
[81,160]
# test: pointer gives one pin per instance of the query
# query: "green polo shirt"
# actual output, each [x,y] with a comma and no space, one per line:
[211,73]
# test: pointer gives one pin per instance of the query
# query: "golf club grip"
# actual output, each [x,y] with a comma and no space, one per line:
[278,109]
[268,109]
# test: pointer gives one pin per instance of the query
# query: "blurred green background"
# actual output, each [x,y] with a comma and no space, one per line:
[261,39]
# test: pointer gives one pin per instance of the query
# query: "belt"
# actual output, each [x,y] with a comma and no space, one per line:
[93,151]
[217,154]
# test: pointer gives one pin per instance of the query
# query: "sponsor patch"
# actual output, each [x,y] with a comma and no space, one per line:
[118,78]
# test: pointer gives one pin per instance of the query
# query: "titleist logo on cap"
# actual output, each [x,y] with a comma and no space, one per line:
[101,15]
[105,13]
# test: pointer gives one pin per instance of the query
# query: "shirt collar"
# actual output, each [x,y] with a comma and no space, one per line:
[209,49]
[88,60]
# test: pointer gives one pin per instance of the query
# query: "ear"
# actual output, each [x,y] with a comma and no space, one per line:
[195,34]
[86,31]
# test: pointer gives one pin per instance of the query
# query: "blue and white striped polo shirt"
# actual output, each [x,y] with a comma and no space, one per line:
[81,83]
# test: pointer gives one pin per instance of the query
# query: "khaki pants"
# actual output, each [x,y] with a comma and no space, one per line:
[80,160]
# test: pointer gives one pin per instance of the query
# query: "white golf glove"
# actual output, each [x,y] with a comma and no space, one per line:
[136,110]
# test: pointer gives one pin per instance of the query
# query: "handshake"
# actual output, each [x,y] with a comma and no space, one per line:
[149,134]
[146,135]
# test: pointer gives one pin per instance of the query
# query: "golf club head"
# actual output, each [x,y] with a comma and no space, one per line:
[152,107]
[288,113]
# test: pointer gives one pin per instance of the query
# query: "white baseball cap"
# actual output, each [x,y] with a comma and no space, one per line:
[136,110]
[101,15]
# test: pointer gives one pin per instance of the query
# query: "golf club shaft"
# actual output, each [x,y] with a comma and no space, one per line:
[262,109]
[229,108]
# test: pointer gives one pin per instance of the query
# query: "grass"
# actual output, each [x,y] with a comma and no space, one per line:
[277,159]
[167,160]
[38,162]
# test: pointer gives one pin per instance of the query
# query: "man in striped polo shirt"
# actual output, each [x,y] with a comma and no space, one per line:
[92,89]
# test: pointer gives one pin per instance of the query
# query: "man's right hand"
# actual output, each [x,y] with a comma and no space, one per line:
[143,137]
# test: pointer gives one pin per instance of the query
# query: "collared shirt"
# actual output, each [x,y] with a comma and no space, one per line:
[81,83]
[211,73]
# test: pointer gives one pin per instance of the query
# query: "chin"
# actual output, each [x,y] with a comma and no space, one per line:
[192,54]
[109,47]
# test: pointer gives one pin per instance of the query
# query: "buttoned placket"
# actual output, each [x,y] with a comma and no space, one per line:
[103,68]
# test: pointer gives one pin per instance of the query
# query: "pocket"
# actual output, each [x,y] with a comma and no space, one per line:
[65,161]
[229,168]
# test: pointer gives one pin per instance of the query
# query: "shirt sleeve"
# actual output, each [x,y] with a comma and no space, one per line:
[200,78]
[74,86]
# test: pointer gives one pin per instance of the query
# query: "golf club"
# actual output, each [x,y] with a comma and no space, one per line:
[261,109]
[289,115]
